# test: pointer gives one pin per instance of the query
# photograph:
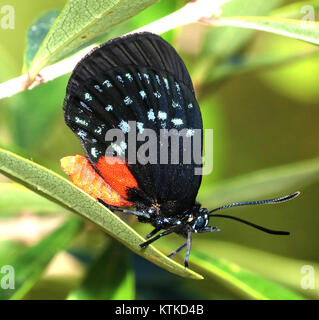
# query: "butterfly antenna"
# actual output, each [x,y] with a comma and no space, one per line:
[250,203]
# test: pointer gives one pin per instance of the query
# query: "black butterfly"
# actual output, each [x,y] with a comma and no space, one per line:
[137,83]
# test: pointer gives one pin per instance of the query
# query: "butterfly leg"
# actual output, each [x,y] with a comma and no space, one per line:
[135,213]
[177,250]
[209,229]
[151,234]
[162,234]
[188,250]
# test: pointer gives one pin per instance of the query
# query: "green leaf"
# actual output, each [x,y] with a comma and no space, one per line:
[272,181]
[295,29]
[243,281]
[63,192]
[31,115]
[284,270]
[36,34]
[255,63]
[109,278]
[240,280]
[29,266]
[297,10]
[80,24]
[14,198]
[225,41]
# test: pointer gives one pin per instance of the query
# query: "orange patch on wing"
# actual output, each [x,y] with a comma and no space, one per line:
[117,174]
[84,176]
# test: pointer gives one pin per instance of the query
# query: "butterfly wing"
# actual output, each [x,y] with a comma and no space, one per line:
[137,79]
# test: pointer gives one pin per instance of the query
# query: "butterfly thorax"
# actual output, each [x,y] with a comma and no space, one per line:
[194,219]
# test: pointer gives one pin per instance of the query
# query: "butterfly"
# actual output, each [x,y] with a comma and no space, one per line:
[123,89]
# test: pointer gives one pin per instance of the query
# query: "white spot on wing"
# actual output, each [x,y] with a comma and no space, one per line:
[81,121]
[190,133]
[109,107]
[129,77]
[107,83]
[87,97]
[151,115]
[157,94]
[140,127]
[128,100]
[98,88]
[120,79]
[177,122]
[143,94]
[85,106]
[124,126]
[162,115]
[175,104]
[94,152]
[190,106]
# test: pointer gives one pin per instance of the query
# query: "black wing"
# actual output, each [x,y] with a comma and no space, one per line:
[141,78]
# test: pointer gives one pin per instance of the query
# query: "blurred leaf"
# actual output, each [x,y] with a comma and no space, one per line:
[64,193]
[14,198]
[283,269]
[31,113]
[295,29]
[240,280]
[29,266]
[36,34]
[303,89]
[296,10]
[80,24]
[109,278]
[262,183]
[256,63]
[225,41]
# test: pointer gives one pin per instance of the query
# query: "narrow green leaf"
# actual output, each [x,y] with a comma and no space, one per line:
[225,41]
[63,192]
[14,198]
[284,270]
[81,23]
[272,181]
[243,281]
[295,29]
[240,280]
[109,278]
[29,266]
[36,34]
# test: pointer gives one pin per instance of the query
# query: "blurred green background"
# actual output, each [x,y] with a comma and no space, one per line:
[261,119]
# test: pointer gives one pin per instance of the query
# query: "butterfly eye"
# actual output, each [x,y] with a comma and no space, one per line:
[199,223]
